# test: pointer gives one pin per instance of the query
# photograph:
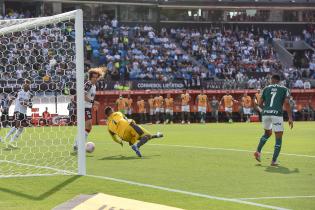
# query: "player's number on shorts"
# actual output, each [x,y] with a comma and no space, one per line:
[272,98]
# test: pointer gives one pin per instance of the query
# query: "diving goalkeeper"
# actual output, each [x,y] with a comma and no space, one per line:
[124,129]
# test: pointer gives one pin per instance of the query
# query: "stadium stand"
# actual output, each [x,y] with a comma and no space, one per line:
[172,57]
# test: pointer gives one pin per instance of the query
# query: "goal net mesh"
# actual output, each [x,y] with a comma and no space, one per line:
[41,50]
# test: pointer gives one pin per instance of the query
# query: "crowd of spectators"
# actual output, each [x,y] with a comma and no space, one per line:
[13,14]
[138,52]
[40,55]
[240,58]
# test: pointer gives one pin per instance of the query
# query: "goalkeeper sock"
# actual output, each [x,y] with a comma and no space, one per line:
[143,140]
[13,129]
[17,134]
[277,149]
[262,142]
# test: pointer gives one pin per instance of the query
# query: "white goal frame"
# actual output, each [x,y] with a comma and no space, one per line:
[77,16]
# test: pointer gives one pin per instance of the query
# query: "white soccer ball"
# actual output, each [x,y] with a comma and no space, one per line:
[89,147]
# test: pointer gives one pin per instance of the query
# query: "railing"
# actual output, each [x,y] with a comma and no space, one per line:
[286,58]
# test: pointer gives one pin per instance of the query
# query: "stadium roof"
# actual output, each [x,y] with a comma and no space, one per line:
[192,1]
[162,3]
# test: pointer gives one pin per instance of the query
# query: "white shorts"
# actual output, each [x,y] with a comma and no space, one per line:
[152,111]
[169,111]
[202,109]
[129,111]
[247,110]
[161,110]
[228,109]
[157,110]
[273,122]
[185,108]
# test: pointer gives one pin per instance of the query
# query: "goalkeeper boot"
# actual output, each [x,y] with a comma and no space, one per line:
[136,149]
[157,135]
[257,156]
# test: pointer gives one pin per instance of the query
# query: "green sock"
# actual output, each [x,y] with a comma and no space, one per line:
[262,142]
[277,149]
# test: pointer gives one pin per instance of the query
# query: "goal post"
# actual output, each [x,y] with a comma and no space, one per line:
[49,52]
[80,92]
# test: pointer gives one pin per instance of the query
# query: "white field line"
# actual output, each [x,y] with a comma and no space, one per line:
[279,197]
[33,175]
[225,149]
[35,166]
[233,200]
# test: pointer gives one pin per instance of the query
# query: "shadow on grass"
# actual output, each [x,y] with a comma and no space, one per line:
[279,169]
[122,157]
[10,148]
[43,195]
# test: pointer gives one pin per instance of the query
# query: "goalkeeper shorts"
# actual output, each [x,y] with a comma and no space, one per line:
[134,132]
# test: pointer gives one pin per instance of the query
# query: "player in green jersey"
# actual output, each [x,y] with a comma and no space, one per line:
[273,98]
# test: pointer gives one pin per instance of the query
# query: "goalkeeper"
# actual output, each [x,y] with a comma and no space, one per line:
[123,129]
[22,102]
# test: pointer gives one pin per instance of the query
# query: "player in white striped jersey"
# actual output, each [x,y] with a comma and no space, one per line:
[23,101]
[89,94]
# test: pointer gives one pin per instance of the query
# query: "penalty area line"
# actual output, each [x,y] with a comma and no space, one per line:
[233,200]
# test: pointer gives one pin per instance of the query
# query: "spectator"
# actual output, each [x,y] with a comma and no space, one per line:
[299,84]
[114,23]
[308,111]
[72,108]
[292,104]
[46,117]
[307,85]
[214,104]
[141,109]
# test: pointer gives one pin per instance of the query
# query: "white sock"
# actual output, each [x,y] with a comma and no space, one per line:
[86,135]
[75,142]
[76,139]
[13,129]
[17,134]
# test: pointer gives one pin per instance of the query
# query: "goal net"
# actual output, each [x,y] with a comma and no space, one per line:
[39,126]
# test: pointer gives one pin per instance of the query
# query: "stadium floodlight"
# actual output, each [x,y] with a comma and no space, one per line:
[48,51]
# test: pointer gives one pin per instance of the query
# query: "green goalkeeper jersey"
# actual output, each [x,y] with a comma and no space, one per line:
[274,96]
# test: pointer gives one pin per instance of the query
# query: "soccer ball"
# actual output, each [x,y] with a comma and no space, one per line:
[89,147]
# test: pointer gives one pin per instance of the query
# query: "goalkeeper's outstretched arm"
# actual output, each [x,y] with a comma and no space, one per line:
[116,138]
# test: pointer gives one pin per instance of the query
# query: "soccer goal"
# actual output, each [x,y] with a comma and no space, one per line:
[43,54]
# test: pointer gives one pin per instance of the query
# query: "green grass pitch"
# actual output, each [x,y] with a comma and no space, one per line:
[209,159]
